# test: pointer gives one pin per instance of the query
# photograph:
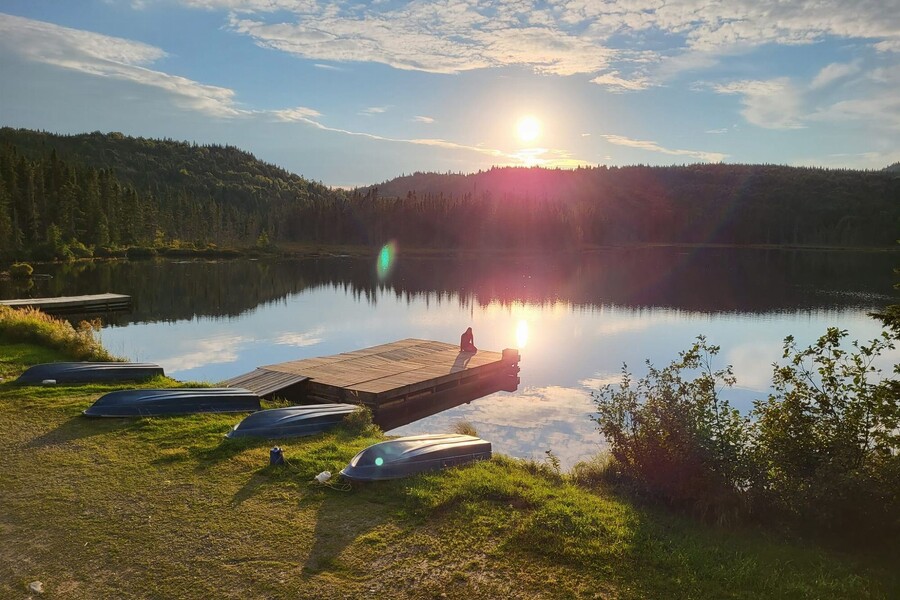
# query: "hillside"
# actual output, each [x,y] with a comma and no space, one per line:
[715,203]
[113,190]
[63,196]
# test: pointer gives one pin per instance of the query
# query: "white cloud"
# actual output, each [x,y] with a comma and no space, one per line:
[772,104]
[373,110]
[717,131]
[833,72]
[654,147]
[216,350]
[300,339]
[615,83]
[112,57]
[560,37]
[299,113]
[422,119]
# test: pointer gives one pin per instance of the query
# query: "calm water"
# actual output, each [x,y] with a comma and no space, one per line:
[575,319]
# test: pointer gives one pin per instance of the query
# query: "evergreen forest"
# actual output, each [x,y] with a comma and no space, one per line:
[91,194]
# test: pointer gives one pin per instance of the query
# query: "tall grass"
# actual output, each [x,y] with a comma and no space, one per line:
[31,325]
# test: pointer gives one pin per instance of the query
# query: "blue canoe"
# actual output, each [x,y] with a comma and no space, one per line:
[89,372]
[174,401]
[293,421]
[415,454]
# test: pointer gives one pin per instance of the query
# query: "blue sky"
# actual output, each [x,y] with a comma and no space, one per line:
[352,93]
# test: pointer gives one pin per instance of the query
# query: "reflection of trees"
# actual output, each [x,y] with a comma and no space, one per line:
[709,280]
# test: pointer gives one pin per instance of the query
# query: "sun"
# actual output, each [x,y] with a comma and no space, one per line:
[528,129]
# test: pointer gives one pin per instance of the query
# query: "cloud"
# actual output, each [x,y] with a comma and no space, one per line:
[772,104]
[300,339]
[833,72]
[299,113]
[615,83]
[373,110]
[717,131]
[215,350]
[561,37]
[327,67]
[654,147]
[421,119]
[105,56]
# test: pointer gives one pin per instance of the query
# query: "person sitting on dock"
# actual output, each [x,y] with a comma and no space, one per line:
[467,341]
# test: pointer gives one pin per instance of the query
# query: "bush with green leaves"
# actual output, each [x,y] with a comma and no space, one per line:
[822,451]
[21,270]
[827,439]
[673,436]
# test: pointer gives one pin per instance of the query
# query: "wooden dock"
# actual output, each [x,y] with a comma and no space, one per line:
[391,378]
[74,304]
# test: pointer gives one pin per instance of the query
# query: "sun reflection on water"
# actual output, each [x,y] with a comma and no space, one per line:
[522,334]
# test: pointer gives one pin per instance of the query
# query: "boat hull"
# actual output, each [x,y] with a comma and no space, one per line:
[173,401]
[293,421]
[89,372]
[412,455]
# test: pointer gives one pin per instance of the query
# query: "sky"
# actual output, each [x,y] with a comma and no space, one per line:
[353,93]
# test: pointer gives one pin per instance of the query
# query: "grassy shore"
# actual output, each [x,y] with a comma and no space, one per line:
[168,508]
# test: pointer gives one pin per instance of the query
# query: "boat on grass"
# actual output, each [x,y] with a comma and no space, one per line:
[292,421]
[88,372]
[415,454]
[173,401]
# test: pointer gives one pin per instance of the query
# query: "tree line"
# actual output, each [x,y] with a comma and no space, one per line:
[77,194]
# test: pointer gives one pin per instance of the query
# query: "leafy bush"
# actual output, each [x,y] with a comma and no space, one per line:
[823,451]
[675,438]
[21,270]
[828,438]
[359,422]
[30,325]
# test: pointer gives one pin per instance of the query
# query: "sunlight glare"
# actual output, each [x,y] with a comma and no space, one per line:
[528,128]
[522,334]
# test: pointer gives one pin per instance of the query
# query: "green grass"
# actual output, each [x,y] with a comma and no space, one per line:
[169,508]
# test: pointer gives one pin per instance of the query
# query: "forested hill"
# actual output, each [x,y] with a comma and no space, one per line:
[739,204]
[112,190]
[93,193]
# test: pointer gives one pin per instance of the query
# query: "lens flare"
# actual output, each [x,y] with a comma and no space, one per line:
[379,461]
[521,334]
[386,259]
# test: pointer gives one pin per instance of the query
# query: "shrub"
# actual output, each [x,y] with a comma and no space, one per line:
[828,440]
[359,421]
[31,325]
[675,439]
[464,427]
[21,270]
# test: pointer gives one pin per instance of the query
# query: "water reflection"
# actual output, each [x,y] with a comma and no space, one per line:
[576,318]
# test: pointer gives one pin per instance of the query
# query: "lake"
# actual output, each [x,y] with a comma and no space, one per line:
[575,318]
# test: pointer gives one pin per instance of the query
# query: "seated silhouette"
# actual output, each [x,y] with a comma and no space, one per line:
[467,341]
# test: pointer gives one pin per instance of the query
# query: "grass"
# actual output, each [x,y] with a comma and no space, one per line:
[169,508]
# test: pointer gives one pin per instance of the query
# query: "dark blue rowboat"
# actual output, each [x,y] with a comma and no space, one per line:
[174,401]
[293,421]
[415,454]
[89,372]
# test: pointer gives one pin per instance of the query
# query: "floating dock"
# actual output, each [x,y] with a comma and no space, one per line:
[400,381]
[74,304]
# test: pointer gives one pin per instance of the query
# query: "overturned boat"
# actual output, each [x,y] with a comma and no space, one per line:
[89,372]
[293,421]
[173,401]
[415,454]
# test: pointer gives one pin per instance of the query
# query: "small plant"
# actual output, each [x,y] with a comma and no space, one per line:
[359,421]
[554,462]
[21,271]
[464,427]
